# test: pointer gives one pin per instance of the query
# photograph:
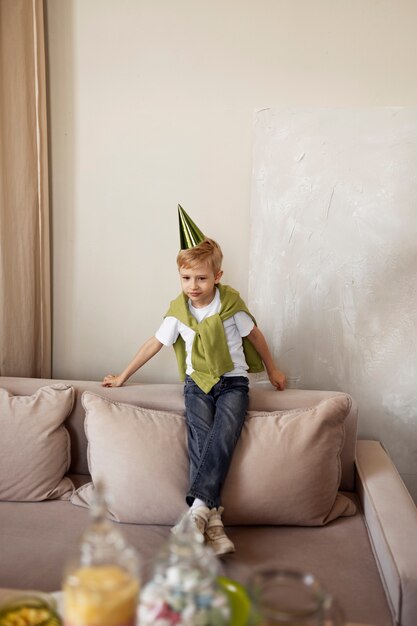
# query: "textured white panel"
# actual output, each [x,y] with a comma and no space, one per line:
[333,279]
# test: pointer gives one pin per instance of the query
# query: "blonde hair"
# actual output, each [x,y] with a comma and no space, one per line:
[208,251]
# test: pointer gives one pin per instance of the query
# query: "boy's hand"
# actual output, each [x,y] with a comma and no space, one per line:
[112,381]
[278,379]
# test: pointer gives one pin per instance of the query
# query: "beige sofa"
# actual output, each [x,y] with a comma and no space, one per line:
[281,497]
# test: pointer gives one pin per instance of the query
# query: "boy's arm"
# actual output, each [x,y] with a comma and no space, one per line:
[275,375]
[144,354]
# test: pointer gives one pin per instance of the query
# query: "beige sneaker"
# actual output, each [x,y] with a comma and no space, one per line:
[199,516]
[215,535]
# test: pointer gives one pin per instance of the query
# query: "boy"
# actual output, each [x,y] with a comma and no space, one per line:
[216,342]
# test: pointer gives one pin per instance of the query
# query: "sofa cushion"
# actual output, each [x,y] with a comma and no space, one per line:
[285,470]
[34,445]
[141,457]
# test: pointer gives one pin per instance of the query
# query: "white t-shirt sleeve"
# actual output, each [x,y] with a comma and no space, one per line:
[168,331]
[244,323]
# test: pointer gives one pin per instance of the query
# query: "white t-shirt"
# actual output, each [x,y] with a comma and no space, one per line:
[235,327]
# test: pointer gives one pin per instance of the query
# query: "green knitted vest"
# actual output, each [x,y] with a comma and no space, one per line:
[210,354]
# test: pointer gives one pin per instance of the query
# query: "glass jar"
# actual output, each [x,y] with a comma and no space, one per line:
[101,583]
[292,598]
[184,589]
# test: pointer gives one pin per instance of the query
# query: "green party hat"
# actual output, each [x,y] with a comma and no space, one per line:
[190,234]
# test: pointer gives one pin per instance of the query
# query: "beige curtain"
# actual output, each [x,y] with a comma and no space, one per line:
[25,318]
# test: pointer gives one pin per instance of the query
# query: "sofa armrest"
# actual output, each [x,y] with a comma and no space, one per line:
[391,519]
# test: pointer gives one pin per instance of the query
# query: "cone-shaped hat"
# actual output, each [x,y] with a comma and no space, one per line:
[190,234]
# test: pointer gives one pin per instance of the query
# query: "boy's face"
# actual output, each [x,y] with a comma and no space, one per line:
[199,283]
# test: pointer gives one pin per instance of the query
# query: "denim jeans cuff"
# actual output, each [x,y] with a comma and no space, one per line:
[192,495]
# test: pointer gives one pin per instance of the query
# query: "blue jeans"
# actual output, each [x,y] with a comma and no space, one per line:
[214,422]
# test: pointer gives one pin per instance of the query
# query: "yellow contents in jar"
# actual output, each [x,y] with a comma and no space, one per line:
[100,596]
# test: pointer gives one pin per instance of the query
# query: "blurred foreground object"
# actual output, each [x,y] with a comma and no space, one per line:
[184,589]
[101,583]
[29,610]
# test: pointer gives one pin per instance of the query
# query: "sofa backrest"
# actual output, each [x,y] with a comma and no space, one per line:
[169,397]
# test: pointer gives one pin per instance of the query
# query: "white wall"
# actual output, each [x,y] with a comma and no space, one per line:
[151,104]
[333,254]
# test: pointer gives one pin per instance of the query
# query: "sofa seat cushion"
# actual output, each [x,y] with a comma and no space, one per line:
[39,539]
[34,444]
[285,470]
